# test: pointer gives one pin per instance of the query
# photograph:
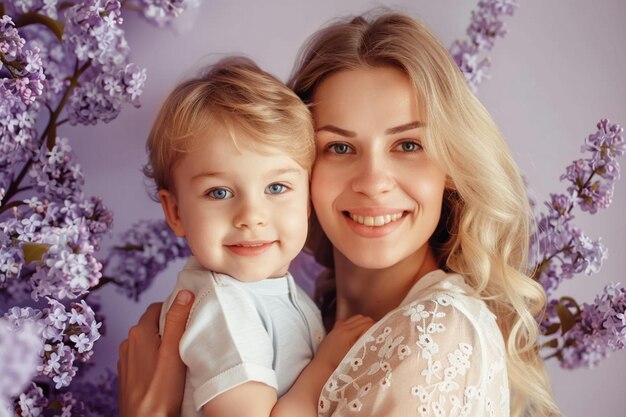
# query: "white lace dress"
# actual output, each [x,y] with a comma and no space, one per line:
[440,353]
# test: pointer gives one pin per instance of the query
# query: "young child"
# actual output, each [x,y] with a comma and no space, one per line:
[230,154]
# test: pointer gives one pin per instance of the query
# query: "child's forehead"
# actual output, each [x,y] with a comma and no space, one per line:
[219,153]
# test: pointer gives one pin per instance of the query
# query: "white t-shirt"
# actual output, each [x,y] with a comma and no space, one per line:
[265,331]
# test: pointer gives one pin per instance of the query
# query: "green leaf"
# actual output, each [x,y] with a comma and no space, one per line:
[33,252]
[568,320]
[553,328]
[554,343]
[55,26]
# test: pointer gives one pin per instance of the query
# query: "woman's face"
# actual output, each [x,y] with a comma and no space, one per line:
[376,193]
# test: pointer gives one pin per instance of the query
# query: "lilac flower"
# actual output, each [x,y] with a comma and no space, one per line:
[31,403]
[100,98]
[68,336]
[56,173]
[485,27]
[93,32]
[21,83]
[601,330]
[560,249]
[163,12]
[20,349]
[98,396]
[592,179]
[71,234]
[149,246]
[23,66]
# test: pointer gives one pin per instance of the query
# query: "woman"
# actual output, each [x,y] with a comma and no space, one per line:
[423,222]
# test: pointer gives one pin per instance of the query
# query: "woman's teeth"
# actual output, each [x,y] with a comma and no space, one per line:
[375,220]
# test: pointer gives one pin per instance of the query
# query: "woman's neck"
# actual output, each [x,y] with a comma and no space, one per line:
[375,292]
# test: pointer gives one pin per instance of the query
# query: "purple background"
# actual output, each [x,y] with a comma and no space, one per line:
[559,70]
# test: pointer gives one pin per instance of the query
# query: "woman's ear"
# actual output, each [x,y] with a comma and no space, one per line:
[170,210]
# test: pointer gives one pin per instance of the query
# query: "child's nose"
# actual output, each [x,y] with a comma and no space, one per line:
[251,214]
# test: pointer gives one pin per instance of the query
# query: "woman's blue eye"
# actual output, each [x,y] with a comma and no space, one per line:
[339,148]
[219,194]
[409,146]
[275,188]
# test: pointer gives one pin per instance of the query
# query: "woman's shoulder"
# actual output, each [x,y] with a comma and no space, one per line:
[440,347]
[440,296]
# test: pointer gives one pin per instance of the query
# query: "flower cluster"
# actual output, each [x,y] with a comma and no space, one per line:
[94,35]
[588,333]
[599,329]
[593,179]
[51,247]
[485,27]
[562,249]
[147,248]
[71,59]
[163,12]
[20,349]
[68,336]
[565,249]
[21,83]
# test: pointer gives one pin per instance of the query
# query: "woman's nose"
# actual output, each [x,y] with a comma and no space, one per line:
[372,177]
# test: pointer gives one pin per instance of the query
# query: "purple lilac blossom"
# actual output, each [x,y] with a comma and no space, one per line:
[563,249]
[21,83]
[71,230]
[485,27]
[22,69]
[600,331]
[31,403]
[93,33]
[97,396]
[147,248]
[163,12]
[56,174]
[20,355]
[45,7]
[68,336]
[593,179]
[100,98]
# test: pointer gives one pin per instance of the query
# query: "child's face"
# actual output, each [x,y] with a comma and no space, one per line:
[243,213]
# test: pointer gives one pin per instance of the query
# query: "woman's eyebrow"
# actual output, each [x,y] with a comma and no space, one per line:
[404,127]
[337,130]
[390,131]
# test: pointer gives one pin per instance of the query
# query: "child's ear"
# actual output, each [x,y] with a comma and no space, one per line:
[170,209]
[308,208]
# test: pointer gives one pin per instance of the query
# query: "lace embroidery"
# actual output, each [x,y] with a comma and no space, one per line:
[423,356]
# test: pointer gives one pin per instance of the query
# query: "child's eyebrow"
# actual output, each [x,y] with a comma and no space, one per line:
[282,171]
[207,174]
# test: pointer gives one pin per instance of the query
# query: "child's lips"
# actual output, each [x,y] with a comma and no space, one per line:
[250,248]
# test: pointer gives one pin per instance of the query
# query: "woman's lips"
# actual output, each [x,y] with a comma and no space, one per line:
[373,226]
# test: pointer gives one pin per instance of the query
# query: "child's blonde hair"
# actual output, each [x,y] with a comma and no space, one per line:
[237,95]
[486,220]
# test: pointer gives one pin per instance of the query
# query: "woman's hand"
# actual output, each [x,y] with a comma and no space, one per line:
[150,371]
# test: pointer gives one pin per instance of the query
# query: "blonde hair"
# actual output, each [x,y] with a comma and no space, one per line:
[236,94]
[486,219]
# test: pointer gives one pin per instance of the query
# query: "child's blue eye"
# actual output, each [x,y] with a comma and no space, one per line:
[339,148]
[219,193]
[275,188]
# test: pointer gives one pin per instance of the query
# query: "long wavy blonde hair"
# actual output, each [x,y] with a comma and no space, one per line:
[486,219]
